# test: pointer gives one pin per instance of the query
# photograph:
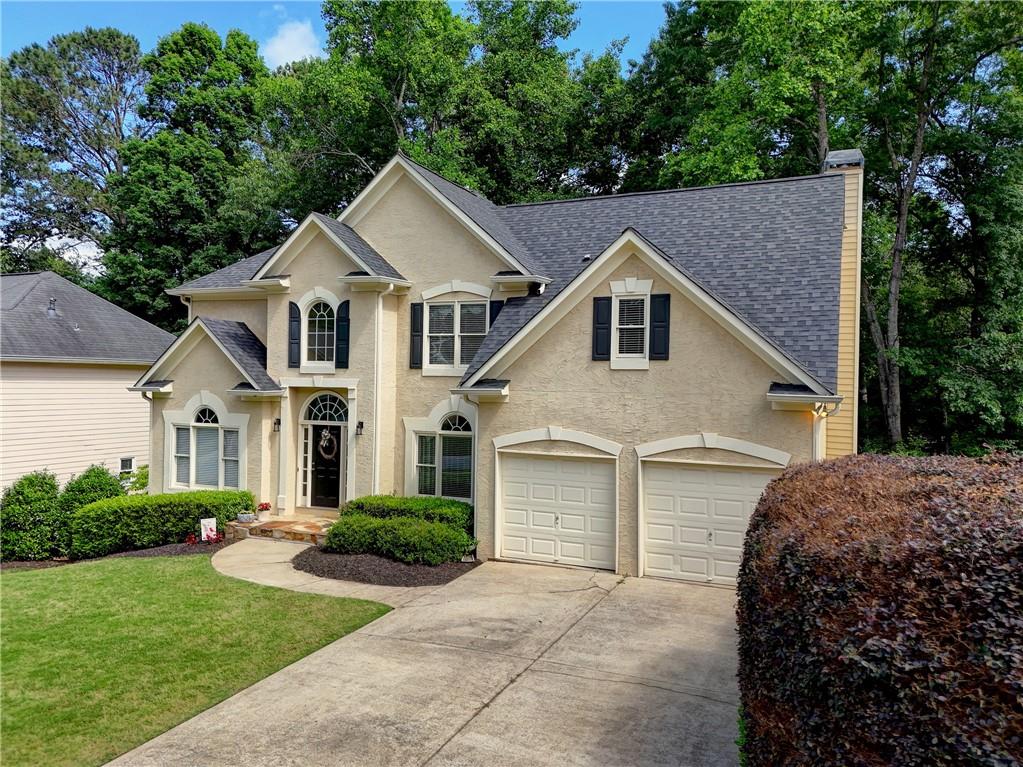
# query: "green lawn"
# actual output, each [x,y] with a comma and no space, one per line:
[101,656]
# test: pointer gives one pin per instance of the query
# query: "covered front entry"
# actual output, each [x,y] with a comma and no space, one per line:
[558,509]
[324,436]
[695,518]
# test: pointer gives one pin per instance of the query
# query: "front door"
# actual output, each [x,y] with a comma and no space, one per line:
[326,451]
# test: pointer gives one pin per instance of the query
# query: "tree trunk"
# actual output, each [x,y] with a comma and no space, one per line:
[822,124]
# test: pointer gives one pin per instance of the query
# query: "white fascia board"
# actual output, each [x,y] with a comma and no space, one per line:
[273,285]
[802,401]
[381,182]
[227,354]
[78,361]
[483,395]
[215,292]
[369,282]
[587,279]
[166,388]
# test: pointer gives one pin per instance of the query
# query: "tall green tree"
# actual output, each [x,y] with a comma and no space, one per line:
[182,189]
[69,108]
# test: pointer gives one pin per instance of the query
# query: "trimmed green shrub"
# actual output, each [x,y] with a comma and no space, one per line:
[444,510]
[405,539]
[93,484]
[138,480]
[29,516]
[143,521]
[879,614]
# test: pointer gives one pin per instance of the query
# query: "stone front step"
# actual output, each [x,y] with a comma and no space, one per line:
[301,530]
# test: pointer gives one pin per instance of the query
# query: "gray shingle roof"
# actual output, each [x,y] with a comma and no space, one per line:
[246,349]
[373,260]
[486,216]
[86,327]
[233,275]
[770,250]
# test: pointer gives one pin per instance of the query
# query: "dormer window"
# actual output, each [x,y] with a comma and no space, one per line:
[320,333]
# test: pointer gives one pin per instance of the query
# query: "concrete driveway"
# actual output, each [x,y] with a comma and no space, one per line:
[509,665]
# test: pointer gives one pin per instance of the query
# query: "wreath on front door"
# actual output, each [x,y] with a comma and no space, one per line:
[327,446]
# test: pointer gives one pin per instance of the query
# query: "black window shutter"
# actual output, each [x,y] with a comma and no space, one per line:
[294,335]
[415,359]
[602,328]
[495,309]
[341,333]
[660,314]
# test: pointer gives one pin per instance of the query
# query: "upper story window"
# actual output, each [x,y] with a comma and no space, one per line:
[320,323]
[630,324]
[455,331]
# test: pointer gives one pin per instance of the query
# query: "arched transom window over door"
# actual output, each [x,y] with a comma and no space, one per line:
[320,332]
[327,408]
[444,459]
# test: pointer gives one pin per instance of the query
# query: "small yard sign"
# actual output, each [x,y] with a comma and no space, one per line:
[209,528]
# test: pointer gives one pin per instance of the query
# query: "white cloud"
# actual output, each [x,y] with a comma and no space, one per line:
[293,41]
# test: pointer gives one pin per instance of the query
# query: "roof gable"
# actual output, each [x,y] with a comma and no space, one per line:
[476,213]
[237,342]
[495,355]
[84,327]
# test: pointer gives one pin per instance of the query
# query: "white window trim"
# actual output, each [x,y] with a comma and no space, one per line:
[303,489]
[134,464]
[455,369]
[174,419]
[438,469]
[305,303]
[453,405]
[631,287]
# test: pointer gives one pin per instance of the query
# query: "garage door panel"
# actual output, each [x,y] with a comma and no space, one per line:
[696,519]
[558,509]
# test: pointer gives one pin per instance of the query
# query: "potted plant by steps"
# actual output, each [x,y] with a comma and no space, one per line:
[247,516]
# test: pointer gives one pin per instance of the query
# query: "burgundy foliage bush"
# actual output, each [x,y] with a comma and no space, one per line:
[881,614]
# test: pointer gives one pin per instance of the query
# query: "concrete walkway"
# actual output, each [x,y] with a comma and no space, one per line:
[509,665]
[268,562]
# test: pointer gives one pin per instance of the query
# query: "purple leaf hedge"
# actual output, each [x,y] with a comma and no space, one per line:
[880,614]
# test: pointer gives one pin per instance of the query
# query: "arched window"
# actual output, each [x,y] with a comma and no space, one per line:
[320,332]
[206,415]
[206,454]
[455,422]
[444,459]
[327,408]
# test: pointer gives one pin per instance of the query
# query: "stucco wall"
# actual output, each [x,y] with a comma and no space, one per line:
[250,311]
[64,418]
[712,383]
[429,247]
[317,264]
[206,368]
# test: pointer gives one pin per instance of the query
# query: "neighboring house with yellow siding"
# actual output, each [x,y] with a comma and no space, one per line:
[66,358]
[611,381]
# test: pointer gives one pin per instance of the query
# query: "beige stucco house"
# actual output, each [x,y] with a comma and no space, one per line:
[610,381]
[66,358]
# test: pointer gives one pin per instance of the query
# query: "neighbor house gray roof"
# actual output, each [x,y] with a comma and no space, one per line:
[85,326]
[245,348]
[769,250]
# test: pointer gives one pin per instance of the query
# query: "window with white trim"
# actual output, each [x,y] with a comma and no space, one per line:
[206,455]
[630,324]
[127,465]
[319,332]
[444,459]
[455,331]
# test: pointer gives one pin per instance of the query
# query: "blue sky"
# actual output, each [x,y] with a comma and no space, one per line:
[285,30]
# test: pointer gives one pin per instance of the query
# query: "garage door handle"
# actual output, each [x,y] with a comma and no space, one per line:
[710,536]
[557,521]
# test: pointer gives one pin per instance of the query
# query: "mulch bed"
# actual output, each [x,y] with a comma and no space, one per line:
[170,550]
[369,568]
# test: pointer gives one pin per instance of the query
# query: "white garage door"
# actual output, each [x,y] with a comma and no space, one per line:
[695,518]
[558,510]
